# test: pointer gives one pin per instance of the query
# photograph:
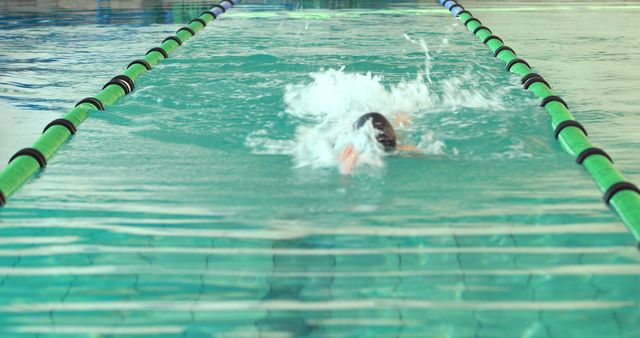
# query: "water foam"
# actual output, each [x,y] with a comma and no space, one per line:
[326,107]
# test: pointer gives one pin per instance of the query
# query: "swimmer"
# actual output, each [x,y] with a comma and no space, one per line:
[385,135]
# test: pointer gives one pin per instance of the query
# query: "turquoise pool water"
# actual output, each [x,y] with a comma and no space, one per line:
[205,203]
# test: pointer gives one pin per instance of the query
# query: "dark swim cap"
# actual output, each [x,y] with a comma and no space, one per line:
[386,134]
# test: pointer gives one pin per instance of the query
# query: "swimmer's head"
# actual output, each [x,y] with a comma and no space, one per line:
[386,135]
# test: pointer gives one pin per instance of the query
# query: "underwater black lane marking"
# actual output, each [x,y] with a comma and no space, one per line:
[159,50]
[568,123]
[142,62]
[95,102]
[173,38]
[33,153]
[616,188]
[61,122]
[592,151]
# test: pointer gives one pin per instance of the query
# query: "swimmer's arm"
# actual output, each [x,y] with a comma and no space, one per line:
[405,150]
[408,147]
[347,159]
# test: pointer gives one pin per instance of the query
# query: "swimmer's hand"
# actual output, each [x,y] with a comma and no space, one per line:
[347,159]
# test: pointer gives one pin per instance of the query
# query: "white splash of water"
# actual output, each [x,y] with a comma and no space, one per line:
[335,95]
[320,145]
[334,100]
[431,145]
[444,41]
[427,57]
[327,106]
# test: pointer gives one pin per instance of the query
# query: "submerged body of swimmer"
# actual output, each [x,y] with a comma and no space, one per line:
[385,135]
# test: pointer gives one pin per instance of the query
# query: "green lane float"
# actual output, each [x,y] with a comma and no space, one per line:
[623,196]
[26,162]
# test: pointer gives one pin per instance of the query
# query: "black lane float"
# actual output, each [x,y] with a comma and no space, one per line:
[623,196]
[26,162]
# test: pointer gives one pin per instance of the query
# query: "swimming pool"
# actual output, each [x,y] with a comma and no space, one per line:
[190,208]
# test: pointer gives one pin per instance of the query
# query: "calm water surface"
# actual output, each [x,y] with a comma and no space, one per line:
[198,206]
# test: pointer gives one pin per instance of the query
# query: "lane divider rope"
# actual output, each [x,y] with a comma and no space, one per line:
[621,195]
[61,122]
[26,162]
[174,38]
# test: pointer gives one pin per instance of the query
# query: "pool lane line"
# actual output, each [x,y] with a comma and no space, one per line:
[26,162]
[622,195]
